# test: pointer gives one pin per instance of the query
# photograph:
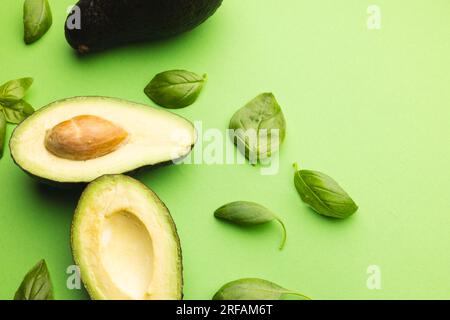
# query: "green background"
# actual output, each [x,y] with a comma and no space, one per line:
[369,107]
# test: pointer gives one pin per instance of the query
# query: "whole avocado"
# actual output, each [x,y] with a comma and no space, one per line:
[104,23]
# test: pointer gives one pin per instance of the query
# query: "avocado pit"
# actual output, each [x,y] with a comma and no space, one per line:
[84,137]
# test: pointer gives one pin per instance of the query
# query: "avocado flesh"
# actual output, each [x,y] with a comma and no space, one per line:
[106,23]
[154,136]
[126,243]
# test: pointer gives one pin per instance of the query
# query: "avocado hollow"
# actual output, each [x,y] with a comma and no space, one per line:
[126,243]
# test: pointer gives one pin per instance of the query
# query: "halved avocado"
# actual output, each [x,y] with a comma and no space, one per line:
[126,243]
[77,140]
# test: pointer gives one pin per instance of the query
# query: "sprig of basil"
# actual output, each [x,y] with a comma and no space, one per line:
[2,133]
[37,19]
[256,289]
[259,128]
[14,90]
[36,285]
[175,88]
[246,213]
[12,105]
[323,194]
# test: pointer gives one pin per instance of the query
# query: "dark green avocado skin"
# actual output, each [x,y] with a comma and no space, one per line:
[108,23]
[82,185]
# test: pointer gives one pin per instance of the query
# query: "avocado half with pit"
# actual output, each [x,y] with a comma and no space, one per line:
[100,24]
[125,242]
[79,139]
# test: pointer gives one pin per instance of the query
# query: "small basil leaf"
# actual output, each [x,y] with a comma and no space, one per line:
[259,128]
[323,194]
[14,90]
[37,19]
[255,289]
[246,213]
[2,132]
[36,285]
[17,112]
[175,89]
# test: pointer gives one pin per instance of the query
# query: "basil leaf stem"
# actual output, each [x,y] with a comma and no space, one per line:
[283,234]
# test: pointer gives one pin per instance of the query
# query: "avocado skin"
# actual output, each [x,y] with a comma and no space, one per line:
[81,185]
[106,23]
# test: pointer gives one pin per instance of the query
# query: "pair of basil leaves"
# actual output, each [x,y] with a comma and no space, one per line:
[36,284]
[13,108]
[257,129]
[321,192]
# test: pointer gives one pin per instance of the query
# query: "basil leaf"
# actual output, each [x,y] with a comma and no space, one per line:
[259,128]
[175,89]
[246,213]
[37,19]
[14,90]
[36,285]
[323,194]
[2,132]
[255,289]
[17,112]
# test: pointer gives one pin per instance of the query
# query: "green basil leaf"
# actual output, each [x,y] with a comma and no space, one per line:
[246,213]
[17,112]
[256,289]
[175,89]
[2,132]
[36,285]
[323,194]
[37,19]
[259,128]
[14,90]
